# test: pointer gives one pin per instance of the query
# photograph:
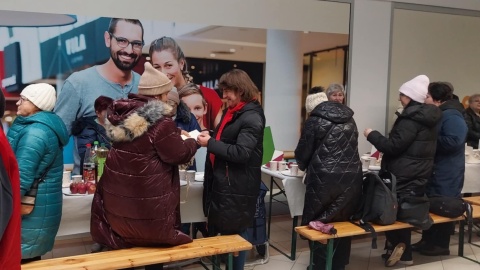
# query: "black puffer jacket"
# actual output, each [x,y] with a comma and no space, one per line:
[334,171]
[409,151]
[231,187]
[473,123]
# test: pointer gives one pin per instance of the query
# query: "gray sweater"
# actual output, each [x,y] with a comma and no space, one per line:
[82,88]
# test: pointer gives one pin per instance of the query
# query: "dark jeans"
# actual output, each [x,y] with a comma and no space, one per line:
[439,235]
[400,236]
[341,254]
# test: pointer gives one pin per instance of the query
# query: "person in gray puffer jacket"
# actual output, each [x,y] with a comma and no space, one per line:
[328,150]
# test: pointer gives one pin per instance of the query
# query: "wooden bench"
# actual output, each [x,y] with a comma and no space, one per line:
[347,229]
[140,256]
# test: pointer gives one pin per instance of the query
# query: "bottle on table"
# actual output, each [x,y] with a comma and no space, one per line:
[89,171]
[102,153]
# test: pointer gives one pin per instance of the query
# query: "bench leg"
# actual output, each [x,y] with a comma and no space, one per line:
[312,248]
[328,265]
[230,261]
[328,253]
[461,239]
[293,247]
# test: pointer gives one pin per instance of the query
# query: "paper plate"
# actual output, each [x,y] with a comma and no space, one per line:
[67,192]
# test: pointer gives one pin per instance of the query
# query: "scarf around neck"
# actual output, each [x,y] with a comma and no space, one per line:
[226,119]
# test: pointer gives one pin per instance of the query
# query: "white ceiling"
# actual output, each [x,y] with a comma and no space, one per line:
[249,43]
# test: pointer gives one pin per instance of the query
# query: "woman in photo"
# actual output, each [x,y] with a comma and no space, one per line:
[168,57]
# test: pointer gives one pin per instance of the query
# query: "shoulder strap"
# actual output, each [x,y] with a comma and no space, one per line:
[42,177]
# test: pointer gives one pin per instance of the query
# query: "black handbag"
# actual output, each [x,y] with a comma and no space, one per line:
[415,211]
[451,207]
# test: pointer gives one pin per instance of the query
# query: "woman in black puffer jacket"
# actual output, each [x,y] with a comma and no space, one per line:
[232,167]
[408,153]
[328,150]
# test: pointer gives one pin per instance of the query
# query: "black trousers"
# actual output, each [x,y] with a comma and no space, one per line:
[400,236]
[439,234]
[341,254]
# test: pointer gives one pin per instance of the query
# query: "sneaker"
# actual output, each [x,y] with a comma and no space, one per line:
[396,255]
[435,251]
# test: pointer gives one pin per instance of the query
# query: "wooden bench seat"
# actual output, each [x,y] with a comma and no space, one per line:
[140,256]
[347,229]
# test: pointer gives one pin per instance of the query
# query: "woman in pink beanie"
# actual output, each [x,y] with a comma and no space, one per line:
[408,153]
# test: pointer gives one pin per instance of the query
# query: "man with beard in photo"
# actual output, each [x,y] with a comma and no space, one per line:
[115,78]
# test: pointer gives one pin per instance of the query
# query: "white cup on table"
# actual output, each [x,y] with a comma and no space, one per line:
[67,177]
[294,169]
[282,166]
[273,165]
[365,162]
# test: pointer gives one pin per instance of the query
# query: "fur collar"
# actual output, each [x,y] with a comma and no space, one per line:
[138,122]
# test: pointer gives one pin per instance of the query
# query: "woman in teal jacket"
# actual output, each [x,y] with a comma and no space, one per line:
[37,137]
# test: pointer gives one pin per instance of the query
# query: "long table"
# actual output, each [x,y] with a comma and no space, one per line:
[294,191]
[76,210]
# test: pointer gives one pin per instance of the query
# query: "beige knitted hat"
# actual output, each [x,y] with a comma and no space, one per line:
[313,100]
[153,82]
[42,95]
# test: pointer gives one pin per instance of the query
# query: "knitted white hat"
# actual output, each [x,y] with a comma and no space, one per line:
[42,95]
[153,82]
[313,100]
[416,88]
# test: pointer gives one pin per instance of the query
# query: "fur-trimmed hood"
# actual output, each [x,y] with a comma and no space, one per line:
[130,118]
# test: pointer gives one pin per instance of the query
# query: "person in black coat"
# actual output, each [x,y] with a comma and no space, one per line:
[328,151]
[234,157]
[472,117]
[449,168]
[408,153]
[91,129]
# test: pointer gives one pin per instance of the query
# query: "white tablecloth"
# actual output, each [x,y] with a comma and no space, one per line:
[472,178]
[295,189]
[76,210]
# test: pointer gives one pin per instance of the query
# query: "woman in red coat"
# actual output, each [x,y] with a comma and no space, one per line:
[10,252]
[137,202]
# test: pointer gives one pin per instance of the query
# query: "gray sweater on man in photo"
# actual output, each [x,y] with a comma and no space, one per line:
[78,95]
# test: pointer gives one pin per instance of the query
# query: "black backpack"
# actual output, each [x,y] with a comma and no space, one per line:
[378,202]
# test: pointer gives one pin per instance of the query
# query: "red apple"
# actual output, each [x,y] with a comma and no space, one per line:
[89,183]
[91,188]
[74,188]
[82,188]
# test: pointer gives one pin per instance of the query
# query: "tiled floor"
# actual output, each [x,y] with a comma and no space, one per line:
[362,256]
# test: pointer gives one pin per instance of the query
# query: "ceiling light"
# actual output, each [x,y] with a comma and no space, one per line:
[34,19]
[212,55]
[232,50]
[192,67]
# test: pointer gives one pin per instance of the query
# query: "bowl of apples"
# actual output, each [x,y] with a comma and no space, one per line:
[80,188]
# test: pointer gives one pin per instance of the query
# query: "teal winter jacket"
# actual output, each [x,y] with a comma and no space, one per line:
[38,141]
